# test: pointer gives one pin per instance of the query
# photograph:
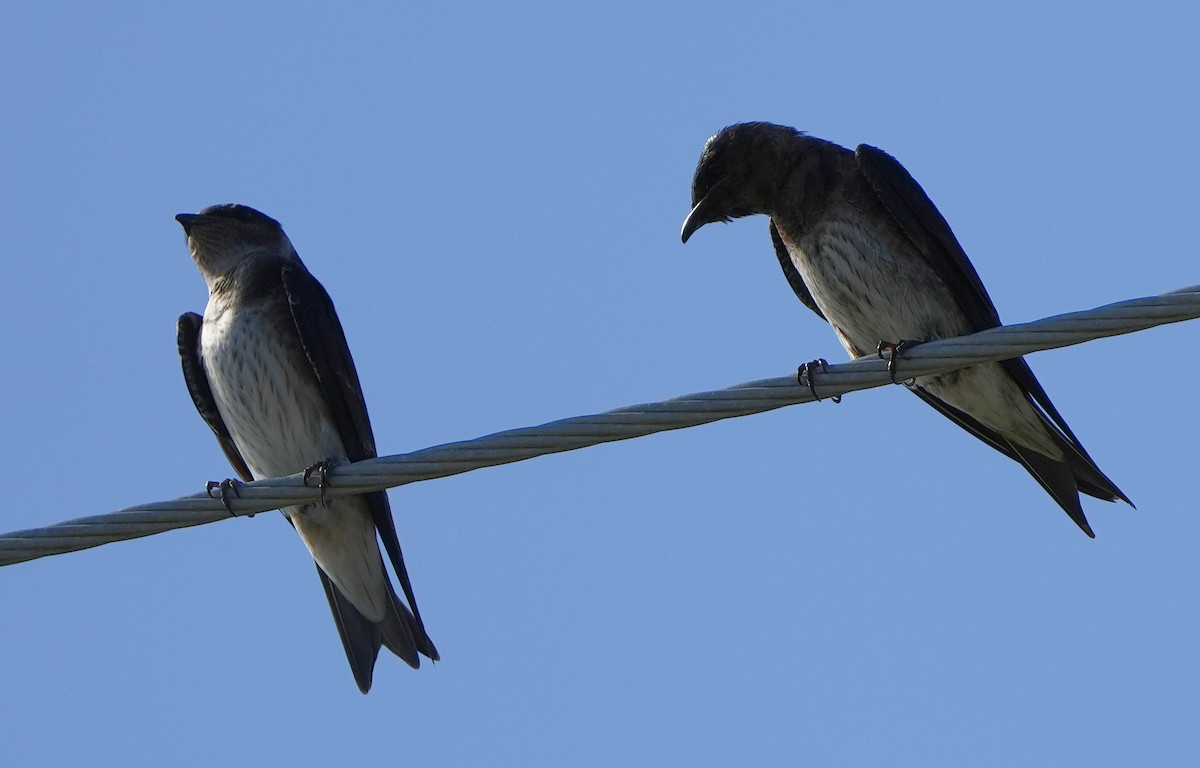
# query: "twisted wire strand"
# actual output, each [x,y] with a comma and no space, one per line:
[621,424]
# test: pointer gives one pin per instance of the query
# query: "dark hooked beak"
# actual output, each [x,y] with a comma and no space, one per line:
[702,213]
[186,220]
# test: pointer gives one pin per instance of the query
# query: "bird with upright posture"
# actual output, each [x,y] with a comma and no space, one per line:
[269,370]
[862,245]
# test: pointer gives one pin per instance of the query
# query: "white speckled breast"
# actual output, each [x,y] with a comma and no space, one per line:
[273,408]
[869,296]
[266,395]
[866,293]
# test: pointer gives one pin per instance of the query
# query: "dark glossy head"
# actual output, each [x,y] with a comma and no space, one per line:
[739,173]
[221,236]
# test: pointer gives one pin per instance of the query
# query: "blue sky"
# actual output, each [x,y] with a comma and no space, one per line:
[493,196]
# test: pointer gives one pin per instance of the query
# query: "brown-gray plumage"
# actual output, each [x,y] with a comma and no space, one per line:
[270,372]
[862,245]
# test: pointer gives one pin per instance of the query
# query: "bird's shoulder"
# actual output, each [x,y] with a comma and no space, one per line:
[823,179]
[257,277]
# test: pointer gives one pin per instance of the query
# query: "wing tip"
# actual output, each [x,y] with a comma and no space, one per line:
[1086,528]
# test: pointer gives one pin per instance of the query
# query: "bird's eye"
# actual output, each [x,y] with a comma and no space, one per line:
[705,182]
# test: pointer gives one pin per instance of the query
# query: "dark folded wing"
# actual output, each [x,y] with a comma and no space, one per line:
[792,274]
[920,219]
[325,345]
[188,340]
[1057,478]
[925,227]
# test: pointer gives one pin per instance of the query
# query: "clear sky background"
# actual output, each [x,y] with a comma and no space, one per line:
[493,194]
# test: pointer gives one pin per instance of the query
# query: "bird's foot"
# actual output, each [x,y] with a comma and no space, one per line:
[895,350]
[321,470]
[804,377]
[227,488]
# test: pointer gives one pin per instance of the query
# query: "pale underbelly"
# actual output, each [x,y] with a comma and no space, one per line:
[269,401]
[868,296]
[275,412]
